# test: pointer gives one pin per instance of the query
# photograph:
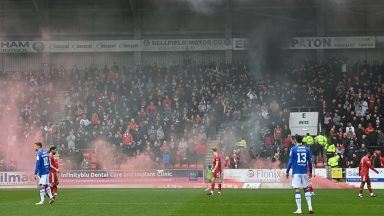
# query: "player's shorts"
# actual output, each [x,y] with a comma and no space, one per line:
[365,178]
[300,181]
[216,175]
[44,179]
[53,177]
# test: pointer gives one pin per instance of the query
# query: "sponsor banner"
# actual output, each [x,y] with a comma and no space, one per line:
[187,44]
[16,46]
[352,175]
[123,45]
[91,46]
[151,177]
[363,42]
[254,175]
[16,178]
[303,122]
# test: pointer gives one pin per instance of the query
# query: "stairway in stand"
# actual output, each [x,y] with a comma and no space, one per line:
[59,114]
[210,145]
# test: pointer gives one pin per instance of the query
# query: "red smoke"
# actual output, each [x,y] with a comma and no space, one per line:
[18,134]
[261,163]
[109,157]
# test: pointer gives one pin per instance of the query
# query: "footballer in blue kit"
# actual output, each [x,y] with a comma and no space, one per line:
[42,173]
[300,161]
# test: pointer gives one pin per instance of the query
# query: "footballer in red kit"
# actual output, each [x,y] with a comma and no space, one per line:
[364,166]
[216,172]
[53,178]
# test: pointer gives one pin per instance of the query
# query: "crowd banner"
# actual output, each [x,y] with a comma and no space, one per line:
[359,42]
[303,122]
[218,44]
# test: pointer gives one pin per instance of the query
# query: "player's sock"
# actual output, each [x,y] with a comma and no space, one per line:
[298,200]
[42,193]
[308,198]
[219,187]
[212,187]
[370,190]
[360,190]
[49,192]
[310,188]
[54,188]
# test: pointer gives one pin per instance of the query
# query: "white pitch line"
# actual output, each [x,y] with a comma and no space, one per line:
[176,203]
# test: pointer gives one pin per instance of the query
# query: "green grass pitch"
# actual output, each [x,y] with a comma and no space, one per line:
[158,202]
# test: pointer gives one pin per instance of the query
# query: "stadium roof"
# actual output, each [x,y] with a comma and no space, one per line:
[335,16]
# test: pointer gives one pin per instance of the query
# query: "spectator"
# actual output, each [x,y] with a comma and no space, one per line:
[235,161]
[353,161]
[315,151]
[71,141]
[377,161]
[160,134]
[85,164]
[127,138]
[278,135]
[84,121]
[369,129]
[380,138]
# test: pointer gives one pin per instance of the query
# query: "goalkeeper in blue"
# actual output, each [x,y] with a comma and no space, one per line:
[42,173]
[301,163]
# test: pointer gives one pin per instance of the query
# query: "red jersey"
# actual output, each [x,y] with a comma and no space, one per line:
[54,162]
[217,160]
[364,166]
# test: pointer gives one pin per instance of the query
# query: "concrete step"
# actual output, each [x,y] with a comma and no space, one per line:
[59,115]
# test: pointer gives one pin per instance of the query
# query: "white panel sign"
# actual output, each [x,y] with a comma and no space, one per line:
[303,122]
[333,42]
[254,175]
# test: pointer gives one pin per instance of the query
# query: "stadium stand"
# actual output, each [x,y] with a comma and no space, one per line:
[172,115]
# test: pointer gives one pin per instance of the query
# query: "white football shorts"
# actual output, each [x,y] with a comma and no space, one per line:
[44,179]
[300,181]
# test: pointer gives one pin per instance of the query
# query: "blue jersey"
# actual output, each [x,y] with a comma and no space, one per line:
[42,163]
[300,159]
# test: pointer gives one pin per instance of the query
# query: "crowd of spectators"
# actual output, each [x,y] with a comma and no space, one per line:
[169,113]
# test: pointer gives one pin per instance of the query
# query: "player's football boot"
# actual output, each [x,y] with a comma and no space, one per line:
[210,194]
[52,200]
[219,192]
[298,212]
[373,195]
[310,211]
[40,203]
[313,194]
[361,195]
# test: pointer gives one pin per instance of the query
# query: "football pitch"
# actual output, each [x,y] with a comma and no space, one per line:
[158,202]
